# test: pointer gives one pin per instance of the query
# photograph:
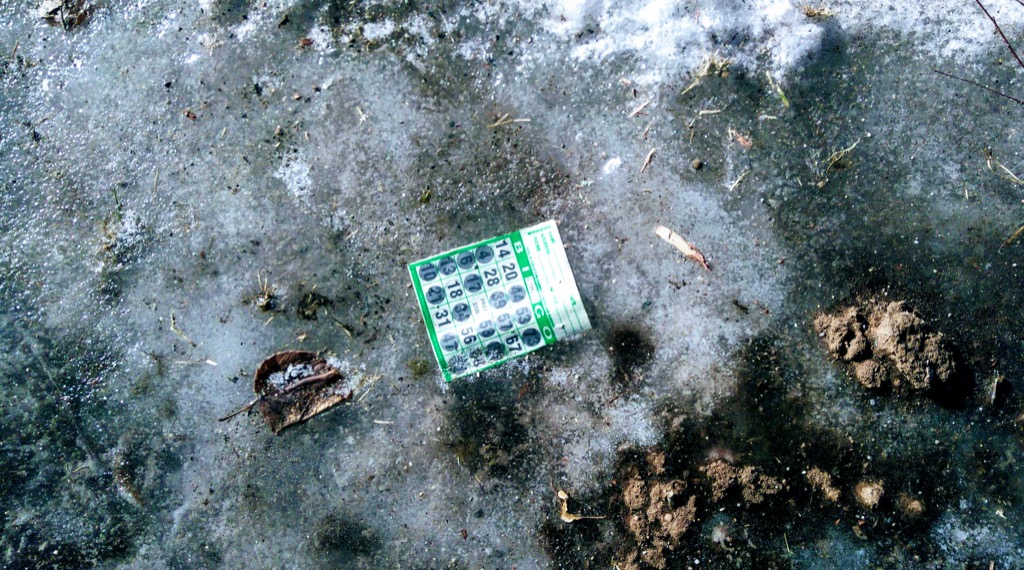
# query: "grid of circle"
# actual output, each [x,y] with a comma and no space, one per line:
[496,297]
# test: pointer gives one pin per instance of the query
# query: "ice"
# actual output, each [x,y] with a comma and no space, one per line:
[163,163]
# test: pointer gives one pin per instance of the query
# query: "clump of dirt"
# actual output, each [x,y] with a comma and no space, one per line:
[869,493]
[822,481]
[844,334]
[754,485]
[889,345]
[910,507]
[659,511]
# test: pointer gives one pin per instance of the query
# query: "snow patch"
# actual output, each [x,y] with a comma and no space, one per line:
[294,172]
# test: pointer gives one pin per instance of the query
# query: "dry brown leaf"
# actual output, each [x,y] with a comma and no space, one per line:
[294,385]
[681,244]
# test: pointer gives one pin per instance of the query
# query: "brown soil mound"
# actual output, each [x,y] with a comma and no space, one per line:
[887,344]
[658,514]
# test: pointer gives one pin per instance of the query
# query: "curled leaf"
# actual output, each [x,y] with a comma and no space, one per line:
[294,385]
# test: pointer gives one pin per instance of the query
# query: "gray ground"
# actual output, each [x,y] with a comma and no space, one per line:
[159,160]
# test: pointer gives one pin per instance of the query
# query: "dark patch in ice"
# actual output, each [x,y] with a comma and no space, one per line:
[310,304]
[230,12]
[581,544]
[86,485]
[341,539]
[487,428]
[631,351]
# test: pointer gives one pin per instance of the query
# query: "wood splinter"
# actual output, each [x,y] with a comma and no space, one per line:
[681,244]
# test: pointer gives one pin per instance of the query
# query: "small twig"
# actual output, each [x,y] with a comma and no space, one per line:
[505,120]
[563,510]
[342,326]
[647,160]
[244,408]
[643,135]
[196,362]
[640,108]
[743,140]
[743,176]
[1014,236]
[373,383]
[383,422]
[689,88]
[1001,34]
[839,155]
[1006,174]
[976,84]
[177,331]
[816,13]
[14,52]
[331,374]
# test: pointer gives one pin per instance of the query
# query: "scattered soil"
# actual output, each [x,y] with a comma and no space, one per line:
[310,303]
[753,484]
[889,345]
[659,511]
[822,481]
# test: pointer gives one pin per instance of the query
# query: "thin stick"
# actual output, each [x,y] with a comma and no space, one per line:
[693,84]
[647,160]
[778,90]
[324,377]
[505,120]
[177,331]
[976,84]
[640,108]
[367,391]
[647,130]
[743,176]
[839,155]
[1001,34]
[1013,238]
[244,408]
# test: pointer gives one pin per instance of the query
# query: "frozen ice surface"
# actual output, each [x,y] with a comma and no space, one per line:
[165,164]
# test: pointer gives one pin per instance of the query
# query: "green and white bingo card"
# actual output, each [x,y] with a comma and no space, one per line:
[497,299]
